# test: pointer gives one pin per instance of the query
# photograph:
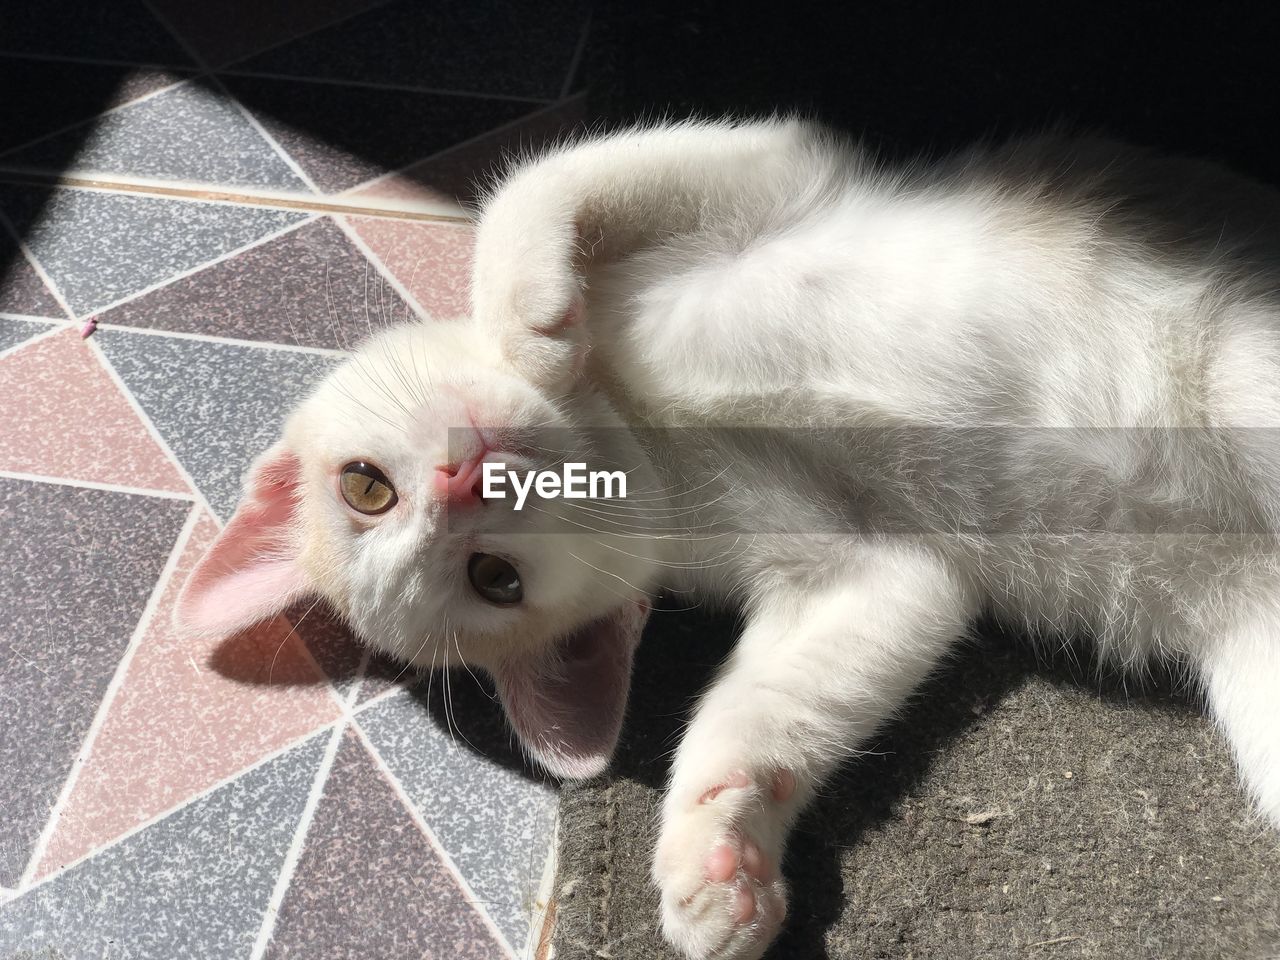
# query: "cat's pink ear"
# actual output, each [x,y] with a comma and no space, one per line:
[567,708]
[251,572]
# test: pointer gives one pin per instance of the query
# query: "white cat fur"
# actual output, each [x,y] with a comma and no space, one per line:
[690,275]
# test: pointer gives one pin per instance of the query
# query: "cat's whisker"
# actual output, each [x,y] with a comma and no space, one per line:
[271,668]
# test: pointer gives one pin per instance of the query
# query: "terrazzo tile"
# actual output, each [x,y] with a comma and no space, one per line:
[193,885]
[309,287]
[369,883]
[76,569]
[491,813]
[123,30]
[459,174]
[190,132]
[14,332]
[64,417]
[21,289]
[481,47]
[431,260]
[216,405]
[342,136]
[100,247]
[67,93]
[334,648]
[231,29]
[383,674]
[189,713]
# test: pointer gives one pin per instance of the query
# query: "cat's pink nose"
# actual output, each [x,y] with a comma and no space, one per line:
[462,483]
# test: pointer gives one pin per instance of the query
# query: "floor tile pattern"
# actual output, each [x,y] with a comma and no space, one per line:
[370,884]
[282,793]
[15,332]
[68,92]
[309,287]
[143,893]
[64,417]
[491,816]
[514,49]
[343,136]
[217,405]
[79,567]
[191,131]
[21,289]
[146,239]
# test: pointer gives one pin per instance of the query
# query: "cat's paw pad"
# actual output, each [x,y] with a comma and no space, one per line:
[723,897]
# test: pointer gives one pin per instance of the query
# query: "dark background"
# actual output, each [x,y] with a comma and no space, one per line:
[913,77]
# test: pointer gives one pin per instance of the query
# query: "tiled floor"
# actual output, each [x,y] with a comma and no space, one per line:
[240,205]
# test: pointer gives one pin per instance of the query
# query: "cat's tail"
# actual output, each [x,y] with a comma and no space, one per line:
[1242,674]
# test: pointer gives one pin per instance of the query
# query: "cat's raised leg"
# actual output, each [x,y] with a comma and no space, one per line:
[1242,679]
[816,671]
[601,199]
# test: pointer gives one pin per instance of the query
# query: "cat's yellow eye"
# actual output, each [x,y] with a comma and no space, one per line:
[366,488]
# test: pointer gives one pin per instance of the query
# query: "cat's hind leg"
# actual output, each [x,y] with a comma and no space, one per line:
[819,667]
[1242,680]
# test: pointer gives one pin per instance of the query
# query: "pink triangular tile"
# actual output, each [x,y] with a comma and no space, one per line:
[65,417]
[431,260]
[188,715]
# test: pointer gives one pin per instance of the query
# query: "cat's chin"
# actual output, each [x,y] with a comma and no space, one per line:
[567,705]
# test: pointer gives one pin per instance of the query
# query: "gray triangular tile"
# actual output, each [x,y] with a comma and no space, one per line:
[216,405]
[189,132]
[100,247]
[195,884]
[14,332]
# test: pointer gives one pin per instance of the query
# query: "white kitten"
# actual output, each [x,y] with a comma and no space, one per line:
[1039,380]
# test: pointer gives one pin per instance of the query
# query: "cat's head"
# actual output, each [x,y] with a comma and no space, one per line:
[370,501]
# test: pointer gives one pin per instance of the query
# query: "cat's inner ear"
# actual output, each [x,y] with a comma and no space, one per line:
[567,706]
[252,571]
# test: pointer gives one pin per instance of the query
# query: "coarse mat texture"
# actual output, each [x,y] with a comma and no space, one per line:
[1022,806]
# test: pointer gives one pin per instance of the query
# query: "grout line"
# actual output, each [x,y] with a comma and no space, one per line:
[213,194]
[361,669]
[60,328]
[191,271]
[379,85]
[222,341]
[113,687]
[354,236]
[199,58]
[196,56]
[314,28]
[95,485]
[266,135]
[97,61]
[432,839]
[52,287]
[151,429]
[574,63]
[510,124]
[377,698]
[97,116]
[32,318]
[194,798]
[294,853]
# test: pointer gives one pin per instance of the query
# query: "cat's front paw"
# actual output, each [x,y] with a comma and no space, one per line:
[717,866]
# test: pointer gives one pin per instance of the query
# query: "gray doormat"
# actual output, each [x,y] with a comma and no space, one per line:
[1018,809]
